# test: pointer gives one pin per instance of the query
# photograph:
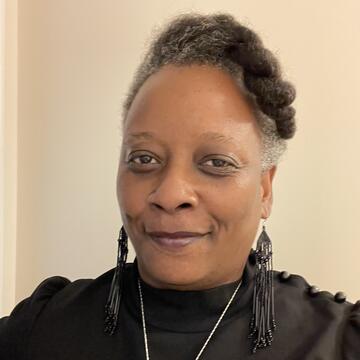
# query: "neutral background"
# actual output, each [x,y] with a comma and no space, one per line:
[65,67]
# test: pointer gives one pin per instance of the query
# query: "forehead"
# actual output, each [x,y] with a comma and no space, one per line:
[198,100]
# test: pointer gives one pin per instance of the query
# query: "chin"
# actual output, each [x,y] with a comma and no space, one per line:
[166,271]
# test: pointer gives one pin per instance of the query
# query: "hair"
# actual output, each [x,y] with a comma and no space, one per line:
[221,41]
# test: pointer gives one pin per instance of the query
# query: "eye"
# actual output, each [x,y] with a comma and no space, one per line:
[143,159]
[218,166]
[220,163]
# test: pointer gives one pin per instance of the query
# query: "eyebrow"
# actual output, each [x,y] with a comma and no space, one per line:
[207,135]
[214,136]
[143,135]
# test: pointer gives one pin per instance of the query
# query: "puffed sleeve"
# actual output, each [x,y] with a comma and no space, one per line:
[15,328]
[352,334]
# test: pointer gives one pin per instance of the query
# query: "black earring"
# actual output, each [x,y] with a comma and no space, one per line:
[116,291]
[262,323]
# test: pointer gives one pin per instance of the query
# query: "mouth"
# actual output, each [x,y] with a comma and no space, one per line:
[177,240]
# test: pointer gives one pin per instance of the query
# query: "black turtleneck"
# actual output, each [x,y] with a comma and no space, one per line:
[64,320]
[187,311]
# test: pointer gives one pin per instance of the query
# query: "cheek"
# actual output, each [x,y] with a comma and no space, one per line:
[130,193]
[239,216]
[240,200]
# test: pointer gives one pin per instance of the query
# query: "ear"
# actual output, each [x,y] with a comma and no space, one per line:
[266,192]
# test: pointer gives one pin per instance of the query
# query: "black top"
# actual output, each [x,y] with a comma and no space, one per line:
[65,320]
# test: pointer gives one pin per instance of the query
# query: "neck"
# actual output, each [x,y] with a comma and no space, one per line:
[188,311]
[209,281]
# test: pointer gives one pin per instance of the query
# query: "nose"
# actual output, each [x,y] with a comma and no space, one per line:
[174,191]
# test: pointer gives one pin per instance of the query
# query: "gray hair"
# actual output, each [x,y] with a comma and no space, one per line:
[219,40]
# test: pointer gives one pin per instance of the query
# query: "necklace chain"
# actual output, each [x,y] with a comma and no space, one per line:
[210,335]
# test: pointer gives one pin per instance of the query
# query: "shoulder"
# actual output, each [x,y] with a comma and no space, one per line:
[296,291]
[352,334]
[315,312]
[15,328]
[52,293]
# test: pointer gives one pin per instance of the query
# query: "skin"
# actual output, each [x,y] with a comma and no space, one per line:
[174,180]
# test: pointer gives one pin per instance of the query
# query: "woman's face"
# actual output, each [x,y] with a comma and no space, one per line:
[191,162]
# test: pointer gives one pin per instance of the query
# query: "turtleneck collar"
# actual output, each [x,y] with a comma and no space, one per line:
[188,311]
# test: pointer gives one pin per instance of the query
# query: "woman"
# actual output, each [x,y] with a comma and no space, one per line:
[204,125]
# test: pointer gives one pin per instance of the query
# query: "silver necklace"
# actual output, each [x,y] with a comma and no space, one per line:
[209,337]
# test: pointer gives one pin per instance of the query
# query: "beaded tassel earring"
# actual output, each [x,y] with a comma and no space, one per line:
[262,323]
[116,291]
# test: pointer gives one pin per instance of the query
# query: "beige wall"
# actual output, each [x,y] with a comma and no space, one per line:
[8,153]
[75,61]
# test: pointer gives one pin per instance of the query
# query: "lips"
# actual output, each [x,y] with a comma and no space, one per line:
[174,235]
[176,240]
